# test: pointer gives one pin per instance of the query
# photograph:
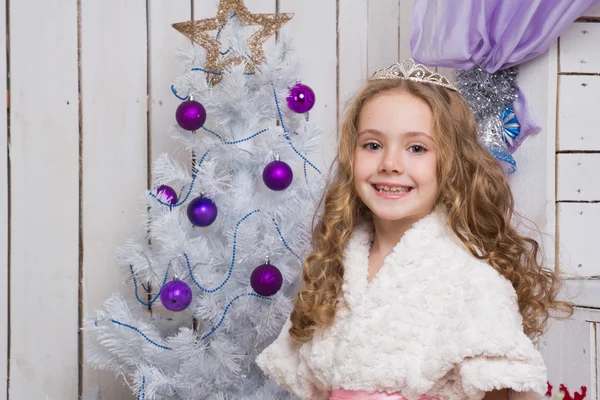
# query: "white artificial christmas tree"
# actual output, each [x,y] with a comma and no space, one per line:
[216,264]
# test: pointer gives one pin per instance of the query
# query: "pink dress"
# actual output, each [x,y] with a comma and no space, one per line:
[343,394]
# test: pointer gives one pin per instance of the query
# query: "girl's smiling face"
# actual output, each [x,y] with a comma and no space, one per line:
[395,163]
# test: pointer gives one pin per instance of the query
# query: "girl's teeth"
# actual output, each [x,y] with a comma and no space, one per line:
[391,189]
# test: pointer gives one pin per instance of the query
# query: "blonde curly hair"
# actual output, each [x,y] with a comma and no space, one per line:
[472,189]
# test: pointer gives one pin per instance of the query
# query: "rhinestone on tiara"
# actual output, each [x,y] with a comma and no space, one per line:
[412,71]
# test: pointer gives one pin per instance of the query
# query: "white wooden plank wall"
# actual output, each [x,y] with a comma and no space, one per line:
[578,148]
[44,198]
[163,67]
[383,45]
[533,184]
[313,31]
[571,348]
[352,50]
[114,142]
[4,199]
[90,109]
[576,43]
[578,112]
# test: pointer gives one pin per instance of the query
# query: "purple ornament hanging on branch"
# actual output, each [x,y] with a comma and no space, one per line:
[277,175]
[176,295]
[202,211]
[190,115]
[266,279]
[301,98]
[167,194]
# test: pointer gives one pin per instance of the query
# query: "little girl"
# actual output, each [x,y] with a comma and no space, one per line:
[417,287]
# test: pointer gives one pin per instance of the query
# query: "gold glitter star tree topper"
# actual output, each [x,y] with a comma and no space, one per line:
[199,32]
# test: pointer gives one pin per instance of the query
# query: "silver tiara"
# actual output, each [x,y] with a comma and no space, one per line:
[412,71]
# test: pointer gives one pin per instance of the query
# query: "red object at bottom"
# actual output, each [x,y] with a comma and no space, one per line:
[576,396]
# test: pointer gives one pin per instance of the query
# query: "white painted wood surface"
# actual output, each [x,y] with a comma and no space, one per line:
[577,212]
[352,50]
[313,30]
[44,191]
[578,178]
[383,34]
[579,119]
[405,14]
[550,239]
[163,68]
[114,155]
[3,206]
[584,293]
[533,182]
[207,9]
[577,231]
[579,48]
[569,349]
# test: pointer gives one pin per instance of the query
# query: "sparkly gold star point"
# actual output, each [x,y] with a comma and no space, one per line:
[197,31]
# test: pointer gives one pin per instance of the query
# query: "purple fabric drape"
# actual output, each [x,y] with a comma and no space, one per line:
[494,34]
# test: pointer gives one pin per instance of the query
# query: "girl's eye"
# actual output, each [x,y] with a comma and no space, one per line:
[371,146]
[417,149]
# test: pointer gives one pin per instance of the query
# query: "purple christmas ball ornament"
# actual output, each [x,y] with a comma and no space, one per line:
[167,194]
[202,211]
[176,296]
[266,280]
[190,115]
[277,175]
[301,98]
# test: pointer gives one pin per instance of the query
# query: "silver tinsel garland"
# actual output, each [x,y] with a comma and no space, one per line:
[489,94]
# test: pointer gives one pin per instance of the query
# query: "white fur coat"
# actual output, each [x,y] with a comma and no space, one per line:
[434,321]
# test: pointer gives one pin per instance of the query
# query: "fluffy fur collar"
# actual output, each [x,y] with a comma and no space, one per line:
[433,321]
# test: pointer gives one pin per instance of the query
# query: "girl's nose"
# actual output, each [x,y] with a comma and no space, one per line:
[392,162]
